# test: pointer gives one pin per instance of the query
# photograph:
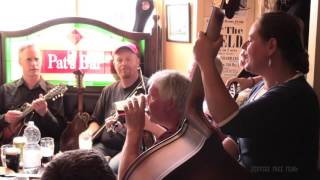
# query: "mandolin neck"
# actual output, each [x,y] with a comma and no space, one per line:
[28,110]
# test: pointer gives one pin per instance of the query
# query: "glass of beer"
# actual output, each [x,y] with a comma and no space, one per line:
[3,154]
[47,149]
[12,156]
[19,143]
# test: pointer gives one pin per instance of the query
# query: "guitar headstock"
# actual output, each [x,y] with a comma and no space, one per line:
[56,92]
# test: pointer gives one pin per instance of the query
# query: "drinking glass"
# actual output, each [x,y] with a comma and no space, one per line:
[31,158]
[85,141]
[47,149]
[3,155]
[10,156]
[19,142]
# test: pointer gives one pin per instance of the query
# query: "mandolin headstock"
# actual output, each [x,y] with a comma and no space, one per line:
[56,92]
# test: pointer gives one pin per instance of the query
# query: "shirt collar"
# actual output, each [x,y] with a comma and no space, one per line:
[41,83]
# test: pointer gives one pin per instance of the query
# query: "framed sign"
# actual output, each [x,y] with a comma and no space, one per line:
[66,45]
[178,22]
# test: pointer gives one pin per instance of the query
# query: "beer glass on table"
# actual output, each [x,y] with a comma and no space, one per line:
[10,156]
[47,149]
[85,141]
[19,143]
[3,155]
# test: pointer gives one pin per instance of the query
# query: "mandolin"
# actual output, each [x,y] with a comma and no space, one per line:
[69,137]
[8,133]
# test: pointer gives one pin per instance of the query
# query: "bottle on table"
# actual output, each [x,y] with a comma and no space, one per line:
[31,151]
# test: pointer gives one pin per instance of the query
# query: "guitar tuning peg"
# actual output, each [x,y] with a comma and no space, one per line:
[53,99]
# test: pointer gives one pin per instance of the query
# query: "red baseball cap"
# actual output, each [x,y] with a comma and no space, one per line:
[132,47]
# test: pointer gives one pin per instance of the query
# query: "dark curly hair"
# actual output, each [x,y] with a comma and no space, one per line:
[78,165]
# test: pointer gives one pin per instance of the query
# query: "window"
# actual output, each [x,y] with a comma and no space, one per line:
[17,14]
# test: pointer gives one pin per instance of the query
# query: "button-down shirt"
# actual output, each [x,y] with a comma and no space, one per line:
[13,95]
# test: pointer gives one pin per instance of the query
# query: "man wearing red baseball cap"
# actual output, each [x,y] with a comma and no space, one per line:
[126,64]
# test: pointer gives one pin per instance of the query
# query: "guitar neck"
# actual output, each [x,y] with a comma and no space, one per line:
[215,23]
[196,97]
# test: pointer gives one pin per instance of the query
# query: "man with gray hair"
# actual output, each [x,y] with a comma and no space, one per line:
[165,101]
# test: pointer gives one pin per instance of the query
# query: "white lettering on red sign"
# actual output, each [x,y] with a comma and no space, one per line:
[63,61]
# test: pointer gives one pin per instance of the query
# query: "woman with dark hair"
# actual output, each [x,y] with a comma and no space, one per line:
[278,127]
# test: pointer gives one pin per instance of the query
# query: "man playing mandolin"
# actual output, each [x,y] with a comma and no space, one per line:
[28,92]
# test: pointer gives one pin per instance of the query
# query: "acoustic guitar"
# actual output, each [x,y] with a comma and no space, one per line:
[8,133]
[69,137]
[195,151]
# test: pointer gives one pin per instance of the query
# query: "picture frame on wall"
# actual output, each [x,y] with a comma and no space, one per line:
[178,22]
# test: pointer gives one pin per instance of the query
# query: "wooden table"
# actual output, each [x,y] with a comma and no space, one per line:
[7,173]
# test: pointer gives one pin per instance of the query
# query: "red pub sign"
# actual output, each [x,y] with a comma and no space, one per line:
[67,61]
[65,48]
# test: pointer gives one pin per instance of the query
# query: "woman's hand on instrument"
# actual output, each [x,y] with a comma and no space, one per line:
[40,105]
[206,50]
[12,116]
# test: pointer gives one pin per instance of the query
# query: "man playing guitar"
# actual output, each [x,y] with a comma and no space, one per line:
[29,90]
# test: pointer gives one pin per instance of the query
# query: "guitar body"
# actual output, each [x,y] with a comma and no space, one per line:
[69,137]
[188,154]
